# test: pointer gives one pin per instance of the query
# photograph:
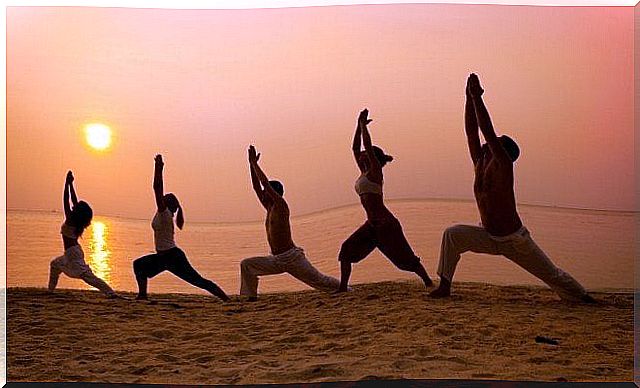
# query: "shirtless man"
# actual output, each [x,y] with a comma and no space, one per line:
[502,231]
[286,256]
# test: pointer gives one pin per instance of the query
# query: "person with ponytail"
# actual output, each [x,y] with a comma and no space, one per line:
[168,256]
[382,229]
[71,263]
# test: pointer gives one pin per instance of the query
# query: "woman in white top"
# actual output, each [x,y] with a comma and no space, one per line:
[168,257]
[381,229]
[72,263]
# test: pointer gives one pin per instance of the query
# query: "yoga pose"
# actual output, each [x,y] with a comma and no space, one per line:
[502,231]
[285,255]
[168,257]
[381,229]
[71,263]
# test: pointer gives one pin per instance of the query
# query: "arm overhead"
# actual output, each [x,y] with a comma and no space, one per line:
[65,196]
[158,185]
[357,142]
[253,160]
[255,182]
[486,127]
[471,126]
[375,167]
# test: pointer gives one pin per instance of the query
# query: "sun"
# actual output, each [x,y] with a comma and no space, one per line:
[98,136]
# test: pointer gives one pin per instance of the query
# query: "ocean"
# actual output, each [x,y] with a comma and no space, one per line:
[596,247]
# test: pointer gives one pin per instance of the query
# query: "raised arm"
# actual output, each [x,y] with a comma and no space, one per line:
[375,167]
[255,182]
[268,190]
[357,142]
[486,127]
[65,196]
[471,126]
[158,185]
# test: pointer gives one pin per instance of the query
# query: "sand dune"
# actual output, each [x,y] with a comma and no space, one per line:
[381,330]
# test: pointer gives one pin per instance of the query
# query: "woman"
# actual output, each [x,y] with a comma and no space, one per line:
[381,229]
[72,263]
[168,257]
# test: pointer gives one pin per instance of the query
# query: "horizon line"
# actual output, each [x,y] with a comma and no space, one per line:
[315,212]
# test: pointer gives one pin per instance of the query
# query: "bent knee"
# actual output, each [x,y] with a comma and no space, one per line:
[138,268]
[245,265]
[456,230]
[347,251]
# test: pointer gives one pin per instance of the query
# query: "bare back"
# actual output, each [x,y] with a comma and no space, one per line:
[493,189]
[278,227]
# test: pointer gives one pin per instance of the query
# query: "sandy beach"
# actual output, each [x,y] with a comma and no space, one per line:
[379,331]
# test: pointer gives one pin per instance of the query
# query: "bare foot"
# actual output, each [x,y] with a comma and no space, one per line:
[440,292]
[252,299]
[141,297]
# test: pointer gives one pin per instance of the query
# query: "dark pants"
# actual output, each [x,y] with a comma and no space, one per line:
[386,235]
[174,261]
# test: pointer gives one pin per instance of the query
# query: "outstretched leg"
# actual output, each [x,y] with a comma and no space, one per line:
[181,267]
[456,240]
[420,271]
[526,253]
[98,283]
[253,267]
[394,245]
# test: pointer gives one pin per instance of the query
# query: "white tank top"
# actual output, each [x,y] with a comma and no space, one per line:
[68,231]
[365,185]
[162,225]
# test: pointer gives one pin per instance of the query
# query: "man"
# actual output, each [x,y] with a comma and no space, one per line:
[502,232]
[286,256]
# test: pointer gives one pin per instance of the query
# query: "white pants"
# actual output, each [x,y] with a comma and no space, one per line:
[293,262]
[518,247]
[73,265]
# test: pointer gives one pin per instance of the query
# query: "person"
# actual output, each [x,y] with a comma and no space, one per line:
[501,231]
[382,229]
[71,263]
[168,256]
[285,256]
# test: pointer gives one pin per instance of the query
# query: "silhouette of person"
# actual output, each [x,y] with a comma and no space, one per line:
[168,256]
[382,229]
[502,231]
[285,256]
[71,263]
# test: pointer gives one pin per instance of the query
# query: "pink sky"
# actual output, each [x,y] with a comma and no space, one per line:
[200,85]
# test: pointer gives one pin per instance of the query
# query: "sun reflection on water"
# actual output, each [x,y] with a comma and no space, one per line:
[99,256]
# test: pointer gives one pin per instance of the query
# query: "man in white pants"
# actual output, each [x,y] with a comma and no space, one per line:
[286,256]
[502,232]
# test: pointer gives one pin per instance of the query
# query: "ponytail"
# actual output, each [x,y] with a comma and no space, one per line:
[381,156]
[180,217]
